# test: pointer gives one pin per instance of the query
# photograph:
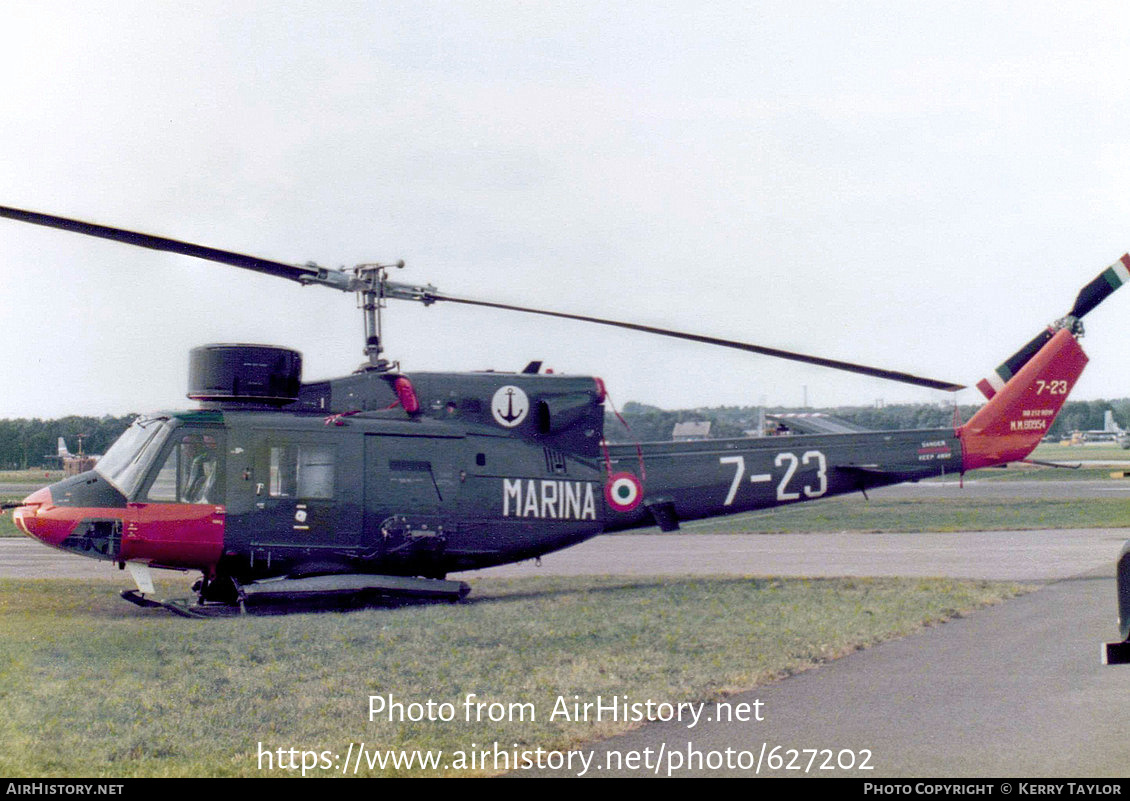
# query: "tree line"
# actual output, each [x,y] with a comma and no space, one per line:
[33,443]
[650,424]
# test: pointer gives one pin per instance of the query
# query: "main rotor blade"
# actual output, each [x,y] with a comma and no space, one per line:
[850,367]
[307,274]
[294,273]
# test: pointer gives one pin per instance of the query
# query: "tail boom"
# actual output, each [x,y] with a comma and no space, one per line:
[1017,417]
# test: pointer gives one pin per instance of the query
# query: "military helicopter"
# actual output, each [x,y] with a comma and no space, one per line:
[383,482]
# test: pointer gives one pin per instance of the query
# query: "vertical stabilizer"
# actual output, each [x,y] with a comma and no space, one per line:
[1019,415]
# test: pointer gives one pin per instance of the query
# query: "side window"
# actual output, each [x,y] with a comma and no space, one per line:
[283,468]
[302,470]
[315,471]
[190,472]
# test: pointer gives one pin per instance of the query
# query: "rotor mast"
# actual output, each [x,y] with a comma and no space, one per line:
[370,282]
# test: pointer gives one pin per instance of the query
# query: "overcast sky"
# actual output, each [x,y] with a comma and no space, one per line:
[920,187]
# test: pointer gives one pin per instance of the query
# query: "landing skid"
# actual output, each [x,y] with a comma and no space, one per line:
[183,607]
[271,596]
[1116,653]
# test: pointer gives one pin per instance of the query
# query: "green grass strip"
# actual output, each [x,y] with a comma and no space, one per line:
[90,686]
[853,513]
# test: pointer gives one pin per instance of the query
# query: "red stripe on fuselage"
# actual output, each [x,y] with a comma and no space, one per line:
[174,535]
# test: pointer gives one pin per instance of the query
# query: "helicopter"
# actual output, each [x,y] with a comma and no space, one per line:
[383,482]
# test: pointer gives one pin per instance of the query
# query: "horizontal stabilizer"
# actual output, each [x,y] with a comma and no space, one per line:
[870,471]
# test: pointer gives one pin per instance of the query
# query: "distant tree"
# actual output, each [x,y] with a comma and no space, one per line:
[33,443]
[649,423]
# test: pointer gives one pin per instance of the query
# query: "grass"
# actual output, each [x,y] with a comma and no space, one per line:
[8,527]
[1073,453]
[34,478]
[854,513]
[850,513]
[91,686]
[1039,473]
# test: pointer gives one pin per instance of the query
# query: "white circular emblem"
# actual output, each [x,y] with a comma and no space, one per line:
[623,492]
[509,406]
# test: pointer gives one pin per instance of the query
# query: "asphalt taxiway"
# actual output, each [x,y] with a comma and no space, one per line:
[1016,690]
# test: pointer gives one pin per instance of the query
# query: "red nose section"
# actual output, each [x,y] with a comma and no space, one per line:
[93,532]
[34,518]
[163,535]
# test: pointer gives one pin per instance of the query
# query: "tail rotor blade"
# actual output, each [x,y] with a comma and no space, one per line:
[1089,297]
[1102,287]
[998,378]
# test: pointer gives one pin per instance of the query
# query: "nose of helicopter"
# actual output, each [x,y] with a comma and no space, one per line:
[33,518]
[48,517]
[87,516]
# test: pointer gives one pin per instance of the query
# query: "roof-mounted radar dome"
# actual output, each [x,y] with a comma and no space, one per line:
[244,374]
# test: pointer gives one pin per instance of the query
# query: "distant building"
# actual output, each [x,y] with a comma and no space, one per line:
[686,432]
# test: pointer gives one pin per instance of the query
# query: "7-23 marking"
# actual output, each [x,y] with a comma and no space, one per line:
[790,462]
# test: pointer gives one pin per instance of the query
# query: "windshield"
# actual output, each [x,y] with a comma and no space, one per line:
[124,465]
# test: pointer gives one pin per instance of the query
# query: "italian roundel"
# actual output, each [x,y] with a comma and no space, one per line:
[623,492]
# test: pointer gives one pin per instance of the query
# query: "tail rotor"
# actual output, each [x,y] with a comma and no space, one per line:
[1090,296]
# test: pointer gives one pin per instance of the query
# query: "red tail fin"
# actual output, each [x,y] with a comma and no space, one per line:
[1011,425]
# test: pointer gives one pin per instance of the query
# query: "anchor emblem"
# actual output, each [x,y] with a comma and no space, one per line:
[509,406]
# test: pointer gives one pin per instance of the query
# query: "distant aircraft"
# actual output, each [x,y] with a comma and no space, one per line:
[1110,432]
[75,463]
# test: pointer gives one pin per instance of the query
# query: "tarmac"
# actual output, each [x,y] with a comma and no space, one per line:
[1016,690]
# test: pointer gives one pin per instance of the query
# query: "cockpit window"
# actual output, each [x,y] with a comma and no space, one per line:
[190,471]
[125,464]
